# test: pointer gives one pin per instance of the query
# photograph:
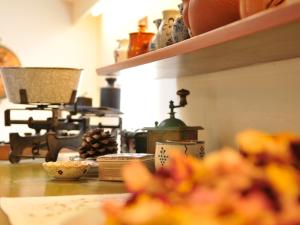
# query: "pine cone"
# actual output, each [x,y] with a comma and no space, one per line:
[97,142]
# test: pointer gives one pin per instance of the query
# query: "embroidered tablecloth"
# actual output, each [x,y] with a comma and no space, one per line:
[54,210]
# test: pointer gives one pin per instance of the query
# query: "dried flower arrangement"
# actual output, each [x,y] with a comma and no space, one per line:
[259,184]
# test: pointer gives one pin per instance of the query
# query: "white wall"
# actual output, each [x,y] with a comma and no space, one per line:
[264,97]
[41,33]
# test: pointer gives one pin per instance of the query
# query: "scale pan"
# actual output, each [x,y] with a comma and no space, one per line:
[40,85]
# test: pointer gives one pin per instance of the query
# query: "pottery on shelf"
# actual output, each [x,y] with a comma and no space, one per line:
[120,53]
[180,31]
[7,58]
[139,42]
[165,29]
[153,43]
[250,7]
[205,15]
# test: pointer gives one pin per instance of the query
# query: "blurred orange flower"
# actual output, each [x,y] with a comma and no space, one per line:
[259,184]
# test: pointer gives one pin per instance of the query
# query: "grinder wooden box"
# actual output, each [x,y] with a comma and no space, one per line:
[174,134]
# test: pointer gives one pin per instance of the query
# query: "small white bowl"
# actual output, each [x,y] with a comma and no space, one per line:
[66,170]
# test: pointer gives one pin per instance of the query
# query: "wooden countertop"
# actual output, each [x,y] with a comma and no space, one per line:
[28,179]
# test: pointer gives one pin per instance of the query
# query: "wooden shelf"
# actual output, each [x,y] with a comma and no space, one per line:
[269,36]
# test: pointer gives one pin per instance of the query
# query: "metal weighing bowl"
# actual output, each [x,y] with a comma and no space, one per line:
[40,85]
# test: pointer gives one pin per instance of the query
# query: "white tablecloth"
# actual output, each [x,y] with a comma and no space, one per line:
[54,210]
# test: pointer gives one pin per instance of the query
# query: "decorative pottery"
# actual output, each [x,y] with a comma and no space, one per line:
[180,31]
[165,29]
[40,85]
[4,151]
[250,7]
[7,58]
[153,43]
[120,53]
[205,15]
[139,42]
[188,148]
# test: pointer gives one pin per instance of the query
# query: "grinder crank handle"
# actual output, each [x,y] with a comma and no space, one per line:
[182,94]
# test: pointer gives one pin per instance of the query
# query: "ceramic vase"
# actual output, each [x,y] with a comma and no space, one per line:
[180,31]
[153,43]
[250,7]
[165,29]
[188,148]
[205,15]
[120,53]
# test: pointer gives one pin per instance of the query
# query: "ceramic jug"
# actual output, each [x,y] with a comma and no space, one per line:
[165,29]
[250,7]
[120,53]
[180,31]
[205,15]
[153,43]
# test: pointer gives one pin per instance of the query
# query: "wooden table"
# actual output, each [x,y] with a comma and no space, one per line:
[29,179]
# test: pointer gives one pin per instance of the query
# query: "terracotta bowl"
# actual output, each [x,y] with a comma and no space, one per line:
[250,7]
[205,15]
[66,170]
[41,85]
